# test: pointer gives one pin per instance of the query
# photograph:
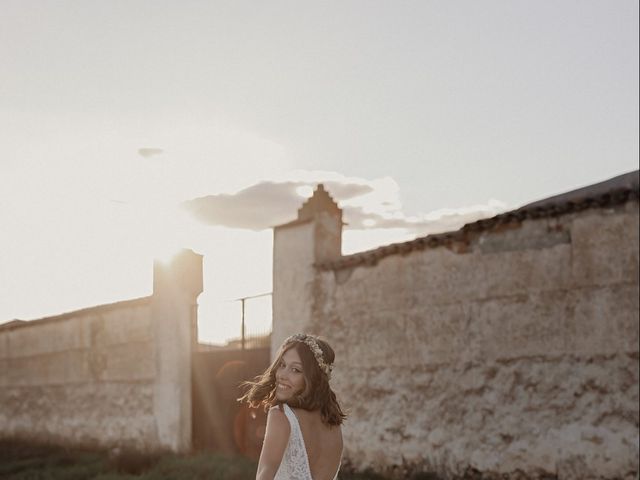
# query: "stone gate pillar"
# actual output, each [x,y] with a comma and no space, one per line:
[176,286]
[315,236]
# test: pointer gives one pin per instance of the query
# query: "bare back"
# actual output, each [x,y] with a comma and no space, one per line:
[322,442]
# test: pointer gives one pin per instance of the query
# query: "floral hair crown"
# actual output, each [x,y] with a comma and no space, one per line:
[311,342]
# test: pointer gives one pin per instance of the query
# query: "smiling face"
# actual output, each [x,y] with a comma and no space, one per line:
[289,376]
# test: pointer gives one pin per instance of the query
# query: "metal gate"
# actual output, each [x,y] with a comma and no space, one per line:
[219,422]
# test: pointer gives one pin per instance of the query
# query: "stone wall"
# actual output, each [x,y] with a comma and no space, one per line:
[512,353]
[99,377]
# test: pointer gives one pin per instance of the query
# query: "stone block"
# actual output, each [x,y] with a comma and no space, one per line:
[604,321]
[392,338]
[375,345]
[48,369]
[605,248]
[371,286]
[133,361]
[523,272]
[46,337]
[94,328]
[130,325]
[531,235]
[4,345]
[4,373]
[440,276]
[438,334]
[516,326]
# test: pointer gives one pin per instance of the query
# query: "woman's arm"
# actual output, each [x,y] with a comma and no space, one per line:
[276,438]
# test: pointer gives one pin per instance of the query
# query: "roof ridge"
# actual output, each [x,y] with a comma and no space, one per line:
[18,323]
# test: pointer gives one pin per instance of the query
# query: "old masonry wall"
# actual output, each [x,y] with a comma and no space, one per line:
[520,353]
[115,375]
[516,353]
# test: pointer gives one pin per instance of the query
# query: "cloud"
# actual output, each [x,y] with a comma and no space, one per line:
[257,207]
[367,204]
[149,152]
[438,221]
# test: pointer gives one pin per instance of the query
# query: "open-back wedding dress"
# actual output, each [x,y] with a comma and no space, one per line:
[295,463]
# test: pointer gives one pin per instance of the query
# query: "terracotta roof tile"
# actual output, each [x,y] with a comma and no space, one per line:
[615,191]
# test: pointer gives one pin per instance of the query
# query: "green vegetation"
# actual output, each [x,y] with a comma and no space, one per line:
[41,462]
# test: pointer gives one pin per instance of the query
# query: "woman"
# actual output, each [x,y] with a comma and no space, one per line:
[303,438]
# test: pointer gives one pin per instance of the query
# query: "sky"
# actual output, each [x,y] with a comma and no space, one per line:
[130,129]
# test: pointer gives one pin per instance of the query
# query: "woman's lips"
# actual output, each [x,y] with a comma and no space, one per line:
[285,391]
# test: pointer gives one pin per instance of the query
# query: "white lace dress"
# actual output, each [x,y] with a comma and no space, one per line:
[295,463]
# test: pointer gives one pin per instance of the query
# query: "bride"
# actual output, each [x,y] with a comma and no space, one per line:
[303,439]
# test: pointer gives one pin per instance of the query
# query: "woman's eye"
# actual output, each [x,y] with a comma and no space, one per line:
[295,370]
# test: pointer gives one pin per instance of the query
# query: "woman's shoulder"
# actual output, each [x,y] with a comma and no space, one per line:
[276,408]
[277,419]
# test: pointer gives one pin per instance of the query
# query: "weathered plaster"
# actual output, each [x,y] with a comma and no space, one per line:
[102,415]
[112,375]
[513,354]
[83,379]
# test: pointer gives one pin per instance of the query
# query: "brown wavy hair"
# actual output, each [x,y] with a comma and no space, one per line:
[317,393]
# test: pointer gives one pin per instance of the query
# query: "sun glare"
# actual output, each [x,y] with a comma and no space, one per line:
[167,254]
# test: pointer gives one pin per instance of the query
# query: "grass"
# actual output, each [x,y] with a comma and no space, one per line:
[41,462]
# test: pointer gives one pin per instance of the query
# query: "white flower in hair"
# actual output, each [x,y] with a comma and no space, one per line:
[311,342]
